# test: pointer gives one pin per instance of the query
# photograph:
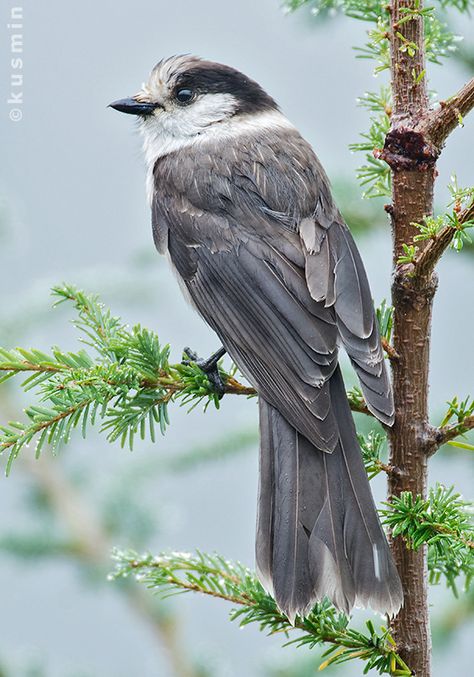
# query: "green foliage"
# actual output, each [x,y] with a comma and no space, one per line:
[171,573]
[126,384]
[409,254]
[373,446]
[377,101]
[461,197]
[431,227]
[440,42]
[374,174]
[384,315]
[356,400]
[443,521]
[461,237]
[461,412]
[364,10]
[458,410]
[377,47]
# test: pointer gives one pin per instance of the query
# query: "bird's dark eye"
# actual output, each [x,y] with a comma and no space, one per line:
[184,95]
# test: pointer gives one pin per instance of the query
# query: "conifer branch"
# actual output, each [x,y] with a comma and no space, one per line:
[384,315]
[439,123]
[443,521]
[427,259]
[372,446]
[212,575]
[127,385]
[450,432]
[463,413]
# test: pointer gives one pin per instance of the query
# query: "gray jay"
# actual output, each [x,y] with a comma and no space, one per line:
[243,209]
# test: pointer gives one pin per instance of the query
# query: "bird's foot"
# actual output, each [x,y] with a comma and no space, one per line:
[209,367]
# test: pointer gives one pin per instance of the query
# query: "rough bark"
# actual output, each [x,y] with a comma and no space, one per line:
[412,147]
[413,170]
[442,121]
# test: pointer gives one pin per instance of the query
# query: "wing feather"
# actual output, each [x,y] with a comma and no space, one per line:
[270,264]
[335,274]
[250,313]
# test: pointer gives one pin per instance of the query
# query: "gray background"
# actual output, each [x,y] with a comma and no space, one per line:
[73,208]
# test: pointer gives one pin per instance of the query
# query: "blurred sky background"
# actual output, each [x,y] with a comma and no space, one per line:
[73,209]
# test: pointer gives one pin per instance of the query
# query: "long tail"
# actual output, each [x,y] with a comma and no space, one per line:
[318,533]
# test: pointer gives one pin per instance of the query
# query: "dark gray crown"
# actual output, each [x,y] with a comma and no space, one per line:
[208,77]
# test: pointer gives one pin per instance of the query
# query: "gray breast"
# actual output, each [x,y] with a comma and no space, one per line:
[210,192]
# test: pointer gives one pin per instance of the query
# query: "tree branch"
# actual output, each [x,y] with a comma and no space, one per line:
[439,123]
[450,432]
[443,522]
[214,576]
[415,143]
[389,349]
[123,407]
[427,259]
[127,385]
[164,380]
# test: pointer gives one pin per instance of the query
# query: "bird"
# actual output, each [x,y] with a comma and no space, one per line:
[242,208]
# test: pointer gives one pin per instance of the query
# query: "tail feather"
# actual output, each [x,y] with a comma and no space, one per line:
[265,501]
[282,543]
[318,533]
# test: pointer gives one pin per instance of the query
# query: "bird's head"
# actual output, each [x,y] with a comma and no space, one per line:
[185,97]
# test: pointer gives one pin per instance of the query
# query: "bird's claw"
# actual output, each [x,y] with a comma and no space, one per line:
[209,367]
[191,355]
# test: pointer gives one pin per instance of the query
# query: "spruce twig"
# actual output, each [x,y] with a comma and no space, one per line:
[443,521]
[124,380]
[171,573]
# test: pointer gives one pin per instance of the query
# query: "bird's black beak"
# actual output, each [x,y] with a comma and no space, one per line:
[133,107]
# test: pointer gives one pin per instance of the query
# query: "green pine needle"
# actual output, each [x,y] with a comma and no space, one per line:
[375,175]
[175,572]
[372,447]
[384,315]
[443,521]
[124,381]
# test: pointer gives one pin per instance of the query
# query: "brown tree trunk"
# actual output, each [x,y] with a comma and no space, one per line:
[412,323]
[413,172]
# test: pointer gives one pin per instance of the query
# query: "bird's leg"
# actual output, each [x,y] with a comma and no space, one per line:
[209,367]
